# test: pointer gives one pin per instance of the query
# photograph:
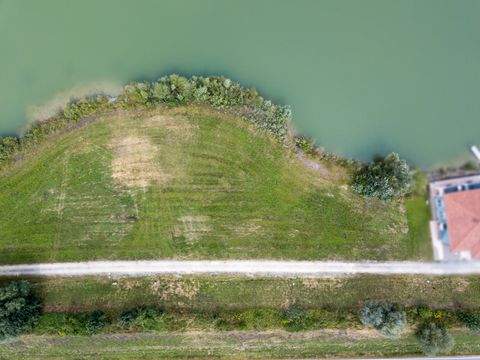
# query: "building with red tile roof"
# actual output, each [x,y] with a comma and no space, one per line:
[455,227]
[462,210]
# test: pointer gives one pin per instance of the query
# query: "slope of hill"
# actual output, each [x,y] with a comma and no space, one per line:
[185,183]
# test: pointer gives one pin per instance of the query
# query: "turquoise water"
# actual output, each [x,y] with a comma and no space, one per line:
[363,77]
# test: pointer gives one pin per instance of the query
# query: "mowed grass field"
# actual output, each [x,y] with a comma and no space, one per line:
[190,183]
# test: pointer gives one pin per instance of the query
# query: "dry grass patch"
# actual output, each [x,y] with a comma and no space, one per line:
[172,123]
[133,163]
[193,227]
[251,227]
[175,289]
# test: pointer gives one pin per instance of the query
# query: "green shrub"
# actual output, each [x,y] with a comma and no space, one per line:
[62,324]
[72,323]
[79,108]
[127,317]
[137,94]
[174,88]
[19,308]
[424,313]
[227,320]
[434,338]
[304,143]
[8,146]
[469,166]
[471,319]
[387,318]
[218,92]
[296,318]
[385,178]
[146,318]
[249,319]
[96,321]
[257,319]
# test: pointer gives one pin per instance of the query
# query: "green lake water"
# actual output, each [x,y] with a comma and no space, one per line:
[363,77]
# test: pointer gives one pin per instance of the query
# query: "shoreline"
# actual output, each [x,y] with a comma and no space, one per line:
[116,100]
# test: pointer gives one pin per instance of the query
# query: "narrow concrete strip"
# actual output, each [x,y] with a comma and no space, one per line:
[241,267]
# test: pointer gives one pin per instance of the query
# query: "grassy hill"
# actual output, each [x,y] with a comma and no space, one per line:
[187,182]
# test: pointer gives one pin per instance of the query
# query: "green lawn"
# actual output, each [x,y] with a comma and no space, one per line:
[418,217]
[225,345]
[188,183]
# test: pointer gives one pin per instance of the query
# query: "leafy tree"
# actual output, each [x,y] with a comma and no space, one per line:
[385,317]
[385,178]
[434,338]
[19,308]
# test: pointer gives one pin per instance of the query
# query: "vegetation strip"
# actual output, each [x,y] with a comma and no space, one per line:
[223,345]
[240,267]
[88,306]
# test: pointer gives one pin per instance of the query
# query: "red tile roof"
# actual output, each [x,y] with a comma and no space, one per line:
[462,209]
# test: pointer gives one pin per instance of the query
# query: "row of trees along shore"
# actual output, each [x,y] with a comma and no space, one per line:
[385,178]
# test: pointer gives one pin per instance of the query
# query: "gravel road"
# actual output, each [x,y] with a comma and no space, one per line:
[240,267]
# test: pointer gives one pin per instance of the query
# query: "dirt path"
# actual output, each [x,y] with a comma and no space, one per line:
[241,267]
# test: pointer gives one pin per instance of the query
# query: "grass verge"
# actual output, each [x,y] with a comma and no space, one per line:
[236,345]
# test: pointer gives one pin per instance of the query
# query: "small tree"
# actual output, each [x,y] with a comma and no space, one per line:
[386,318]
[19,308]
[385,178]
[434,338]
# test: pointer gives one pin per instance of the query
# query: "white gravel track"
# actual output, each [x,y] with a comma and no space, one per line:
[250,268]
